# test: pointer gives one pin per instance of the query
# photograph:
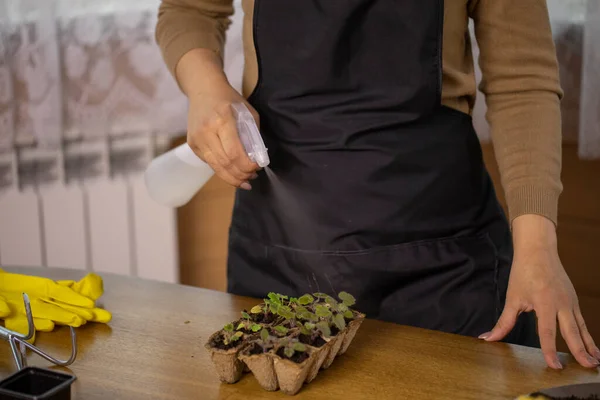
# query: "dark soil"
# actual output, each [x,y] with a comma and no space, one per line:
[217,343]
[298,357]
[254,349]
[316,342]
[334,330]
[261,318]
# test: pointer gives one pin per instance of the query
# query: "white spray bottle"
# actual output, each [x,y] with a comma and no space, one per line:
[173,178]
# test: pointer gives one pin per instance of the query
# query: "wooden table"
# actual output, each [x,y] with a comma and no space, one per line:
[153,349]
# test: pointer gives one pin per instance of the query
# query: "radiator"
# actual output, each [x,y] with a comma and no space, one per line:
[84,206]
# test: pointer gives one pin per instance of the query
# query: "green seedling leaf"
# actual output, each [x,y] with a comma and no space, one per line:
[347,298]
[320,295]
[339,321]
[310,325]
[293,300]
[300,347]
[256,309]
[237,336]
[245,315]
[331,301]
[304,330]
[281,329]
[305,315]
[285,312]
[289,352]
[264,335]
[228,327]
[342,308]
[324,328]
[274,307]
[322,311]
[306,300]
[348,314]
[282,296]
[255,328]
[300,309]
[274,297]
[240,326]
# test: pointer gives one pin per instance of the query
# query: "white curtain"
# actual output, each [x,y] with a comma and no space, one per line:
[576,31]
[83,69]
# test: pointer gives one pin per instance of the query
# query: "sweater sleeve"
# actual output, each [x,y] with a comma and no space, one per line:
[520,81]
[184,25]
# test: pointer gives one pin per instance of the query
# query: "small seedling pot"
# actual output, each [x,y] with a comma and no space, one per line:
[292,375]
[33,383]
[321,354]
[335,345]
[227,364]
[351,330]
[262,368]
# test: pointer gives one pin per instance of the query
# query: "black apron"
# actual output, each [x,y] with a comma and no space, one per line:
[375,188]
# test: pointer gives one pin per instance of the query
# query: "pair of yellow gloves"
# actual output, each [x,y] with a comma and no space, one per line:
[52,302]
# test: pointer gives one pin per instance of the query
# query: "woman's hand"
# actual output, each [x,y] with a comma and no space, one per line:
[538,282]
[212,132]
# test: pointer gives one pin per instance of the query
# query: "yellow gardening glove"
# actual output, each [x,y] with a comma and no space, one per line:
[90,286]
[71,303]
[39,287]
[4,308]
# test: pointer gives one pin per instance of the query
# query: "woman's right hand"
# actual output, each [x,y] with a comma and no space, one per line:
[213,136]
[212,132]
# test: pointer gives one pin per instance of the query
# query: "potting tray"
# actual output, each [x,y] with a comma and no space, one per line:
[262,351]
[32,383]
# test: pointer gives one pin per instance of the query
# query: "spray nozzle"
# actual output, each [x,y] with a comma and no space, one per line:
[249,135]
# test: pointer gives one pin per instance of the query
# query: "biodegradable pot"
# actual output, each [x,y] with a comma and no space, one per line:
[351,330]
[227,364]
[262,367]
[292,375]
[321,354]
[336,344]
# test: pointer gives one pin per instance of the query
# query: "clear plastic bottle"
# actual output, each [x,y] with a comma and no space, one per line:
[173,178]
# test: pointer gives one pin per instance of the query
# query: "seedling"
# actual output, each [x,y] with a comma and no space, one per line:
[280,330]
[291,347]
[230,335]
[246,324]
[265,341]
[314,330]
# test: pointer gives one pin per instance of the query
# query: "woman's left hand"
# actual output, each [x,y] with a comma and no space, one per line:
[538,282]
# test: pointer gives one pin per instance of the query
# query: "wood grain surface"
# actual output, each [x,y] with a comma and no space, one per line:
[153,349]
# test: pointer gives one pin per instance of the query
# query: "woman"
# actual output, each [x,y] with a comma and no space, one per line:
[377,184]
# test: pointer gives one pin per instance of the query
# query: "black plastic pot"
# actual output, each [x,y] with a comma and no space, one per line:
[32,383]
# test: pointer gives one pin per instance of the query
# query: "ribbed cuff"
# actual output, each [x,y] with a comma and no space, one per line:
[533,199]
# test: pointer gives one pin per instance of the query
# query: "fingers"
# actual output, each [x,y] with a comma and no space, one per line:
[547,334]
[69,296]
[505,324]
[232,145]
[573,336]
[219,145]
[585,334]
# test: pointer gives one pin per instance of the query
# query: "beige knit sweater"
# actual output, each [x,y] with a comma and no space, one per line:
[520,80]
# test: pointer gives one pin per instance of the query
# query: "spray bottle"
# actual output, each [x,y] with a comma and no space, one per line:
[174,177]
